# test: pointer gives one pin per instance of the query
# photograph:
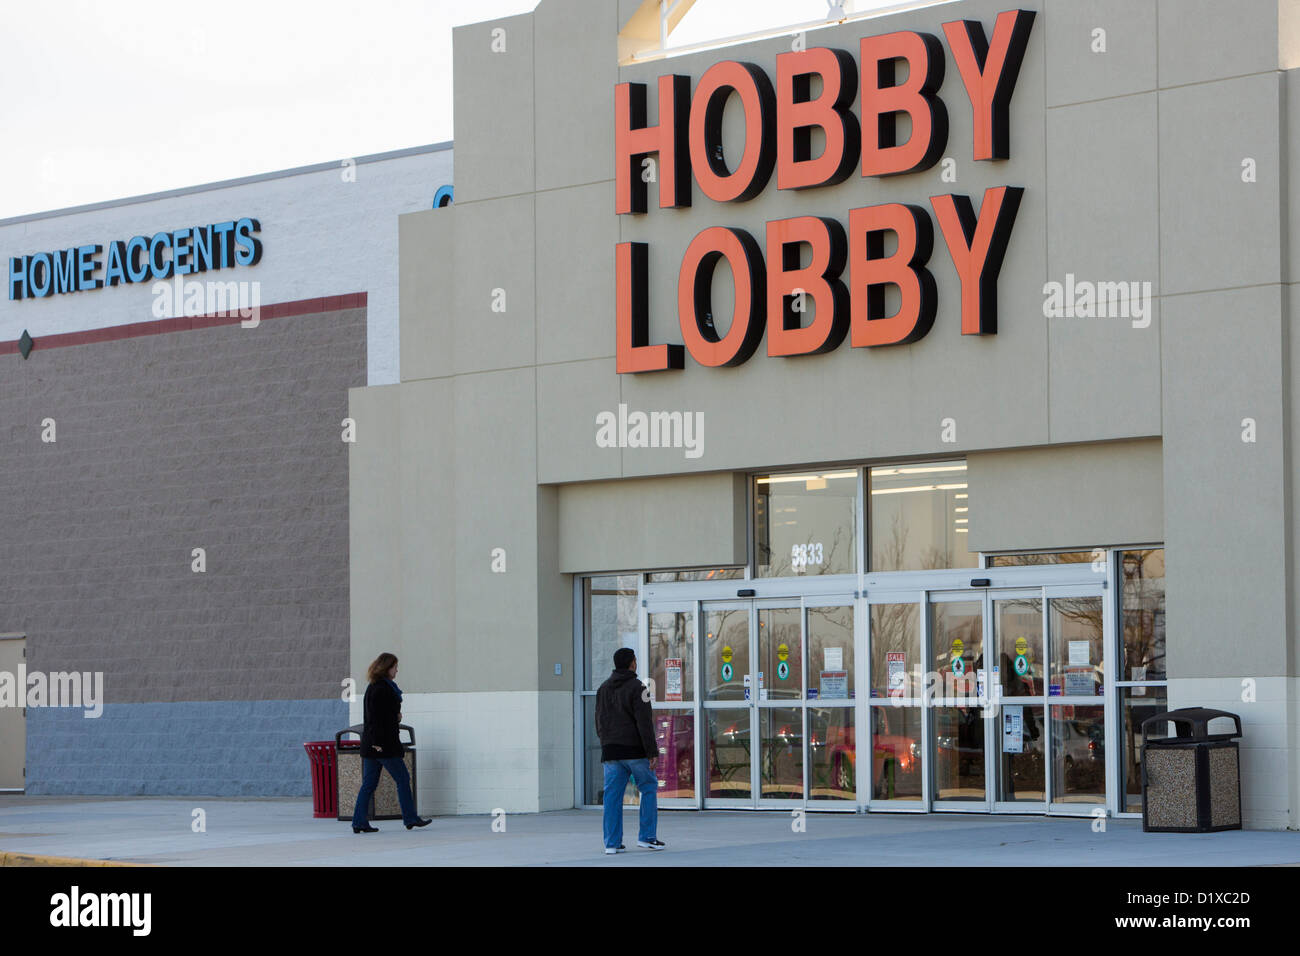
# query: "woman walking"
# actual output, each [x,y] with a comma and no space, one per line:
[380,747]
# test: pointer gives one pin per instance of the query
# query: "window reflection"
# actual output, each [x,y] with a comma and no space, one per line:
[919,518]
[611,607]
[806,524]
[1143,577]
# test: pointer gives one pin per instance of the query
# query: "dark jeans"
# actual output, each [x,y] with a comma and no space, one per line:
[370,769]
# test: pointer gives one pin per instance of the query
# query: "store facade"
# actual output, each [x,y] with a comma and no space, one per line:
[865,401]
[173,394]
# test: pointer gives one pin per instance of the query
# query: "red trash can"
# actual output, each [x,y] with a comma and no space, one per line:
[324,778]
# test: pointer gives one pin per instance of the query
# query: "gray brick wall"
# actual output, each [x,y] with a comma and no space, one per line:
[207,748]
[224,438]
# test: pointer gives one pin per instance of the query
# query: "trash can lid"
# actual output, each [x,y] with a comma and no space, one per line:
[1190,725]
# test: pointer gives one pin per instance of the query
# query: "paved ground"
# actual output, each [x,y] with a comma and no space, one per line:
[280,832]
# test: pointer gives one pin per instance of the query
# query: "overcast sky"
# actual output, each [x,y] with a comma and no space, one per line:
[101,100]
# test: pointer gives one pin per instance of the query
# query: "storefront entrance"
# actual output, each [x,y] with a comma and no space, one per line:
[985,698]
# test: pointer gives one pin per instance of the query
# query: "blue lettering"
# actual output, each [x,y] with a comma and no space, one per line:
[250,248]
[87,263]
[65,271]
[202,248]
[137,269]
[160,268]
[114,270]
[224,236]
[18,277]
[181,252]
[40,287]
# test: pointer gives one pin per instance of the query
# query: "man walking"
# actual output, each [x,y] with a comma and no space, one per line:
[627,748]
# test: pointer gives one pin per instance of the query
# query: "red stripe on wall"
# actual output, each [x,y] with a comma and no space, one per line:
[188,323]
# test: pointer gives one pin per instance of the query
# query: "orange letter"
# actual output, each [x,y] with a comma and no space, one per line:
[632,351]
[977,247]
[797,114]
[882,99]
[759,103]
[695,300]
[870,270]
[634,140]
[989,74]
[786,334]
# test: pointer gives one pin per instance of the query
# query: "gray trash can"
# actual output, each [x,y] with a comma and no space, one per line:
[384,804]
[1191,782]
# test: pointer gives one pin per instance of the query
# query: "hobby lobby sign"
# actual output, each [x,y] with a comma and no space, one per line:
[849,271]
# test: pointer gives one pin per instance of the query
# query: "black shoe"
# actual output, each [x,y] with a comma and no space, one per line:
[652,844]
[418,823]
[365,829]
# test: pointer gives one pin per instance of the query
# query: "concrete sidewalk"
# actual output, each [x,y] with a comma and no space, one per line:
[282,832]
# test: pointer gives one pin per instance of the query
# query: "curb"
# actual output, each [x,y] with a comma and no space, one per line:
[35,859]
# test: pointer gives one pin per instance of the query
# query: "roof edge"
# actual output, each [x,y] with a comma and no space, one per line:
[226,183]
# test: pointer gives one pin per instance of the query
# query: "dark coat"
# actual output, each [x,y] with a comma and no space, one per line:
[624,715]
[381,708]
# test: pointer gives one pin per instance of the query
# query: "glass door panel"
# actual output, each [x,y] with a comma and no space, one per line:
[957,718]
[675,737]
[781,758]
[831,659]
[959,756]
[728,742]
[1079,754]
[896,754]
[778,701]
[1076,694]
[726,652]
[672,655]
[1021,737]
[1019,626]
[780,654]
[1077,658]
[1022,774]
[895,650]
[832,754]
[896,713]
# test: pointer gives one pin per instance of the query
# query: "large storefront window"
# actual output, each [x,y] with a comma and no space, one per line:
[806,524]
[919,517]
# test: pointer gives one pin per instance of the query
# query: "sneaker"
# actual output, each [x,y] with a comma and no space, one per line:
[611,850]
[652,844]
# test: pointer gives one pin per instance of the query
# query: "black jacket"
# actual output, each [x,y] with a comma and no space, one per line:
[381,708]
[623,719]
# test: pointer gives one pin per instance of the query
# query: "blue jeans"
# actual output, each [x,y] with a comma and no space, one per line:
[616,774]
[370,769]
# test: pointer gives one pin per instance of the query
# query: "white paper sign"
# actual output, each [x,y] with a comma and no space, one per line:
[1013,729]
[834,684]
[834,658]
[1079,654]
[1078,683]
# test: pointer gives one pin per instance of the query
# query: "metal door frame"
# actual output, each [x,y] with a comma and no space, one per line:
[988,716]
